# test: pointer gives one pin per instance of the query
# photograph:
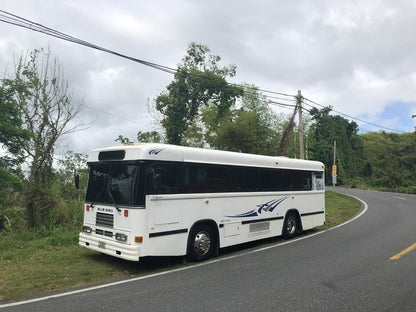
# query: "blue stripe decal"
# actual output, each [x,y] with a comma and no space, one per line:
[263,208]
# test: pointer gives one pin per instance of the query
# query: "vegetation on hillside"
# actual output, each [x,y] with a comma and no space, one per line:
[38,109]
[389,162]
[198,108]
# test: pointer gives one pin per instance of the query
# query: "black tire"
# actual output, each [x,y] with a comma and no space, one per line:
[291,226]
[201,243]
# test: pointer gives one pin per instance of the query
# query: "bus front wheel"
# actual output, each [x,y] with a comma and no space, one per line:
[201,243]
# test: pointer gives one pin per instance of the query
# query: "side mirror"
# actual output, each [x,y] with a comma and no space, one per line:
[77,181]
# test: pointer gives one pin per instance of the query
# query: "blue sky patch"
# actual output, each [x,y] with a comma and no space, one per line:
[396,116]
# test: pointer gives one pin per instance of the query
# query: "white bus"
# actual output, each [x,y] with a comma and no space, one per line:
[165,200]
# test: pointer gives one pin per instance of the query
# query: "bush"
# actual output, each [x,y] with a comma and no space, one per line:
[12,219]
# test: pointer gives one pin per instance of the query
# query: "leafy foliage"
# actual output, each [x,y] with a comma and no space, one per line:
[123,140]
[390,161]
[47,111]
[13,136]
[380,160]
[326,130]
[199,81]
[252,128]
[149,137]
[13,139]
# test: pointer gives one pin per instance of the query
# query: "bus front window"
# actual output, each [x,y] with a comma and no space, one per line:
[111,184]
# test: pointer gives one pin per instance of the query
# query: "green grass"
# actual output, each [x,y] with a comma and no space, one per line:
[32,265]
[43,265]
[339,208]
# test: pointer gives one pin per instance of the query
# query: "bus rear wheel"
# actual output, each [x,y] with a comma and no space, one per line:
[201,243]
[291,226]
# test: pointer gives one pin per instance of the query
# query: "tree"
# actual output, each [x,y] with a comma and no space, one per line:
[13,136]
[123,140]
[149,137]
[327,129]
[48,111]
[68,211]
[199,81]
[13,139]
[251,128]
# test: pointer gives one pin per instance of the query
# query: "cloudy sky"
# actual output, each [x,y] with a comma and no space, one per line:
[358,56]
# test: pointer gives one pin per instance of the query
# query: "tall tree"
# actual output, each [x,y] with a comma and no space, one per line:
[149,137]
[48,111]
[327,129]
[13,139]
[198,81]
[251,128]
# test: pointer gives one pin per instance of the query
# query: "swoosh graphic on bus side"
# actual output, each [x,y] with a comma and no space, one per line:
[266,207]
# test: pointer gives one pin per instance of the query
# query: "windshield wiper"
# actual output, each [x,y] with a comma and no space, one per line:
[101,191]
[107,189]
[113,201]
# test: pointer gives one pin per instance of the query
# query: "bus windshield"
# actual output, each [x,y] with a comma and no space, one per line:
[112,184]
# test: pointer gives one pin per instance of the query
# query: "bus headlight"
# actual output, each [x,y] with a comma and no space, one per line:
[87,229]
[121,237]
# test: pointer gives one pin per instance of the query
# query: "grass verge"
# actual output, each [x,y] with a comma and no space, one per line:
[339,208]
[32,266]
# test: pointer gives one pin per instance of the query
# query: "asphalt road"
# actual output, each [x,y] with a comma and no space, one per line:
[347,268]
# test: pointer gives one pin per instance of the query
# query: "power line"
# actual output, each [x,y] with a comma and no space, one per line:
[25,23]
[280,98]
[287,105]
[355,118]
[114,115]
[280,104]
[278,93]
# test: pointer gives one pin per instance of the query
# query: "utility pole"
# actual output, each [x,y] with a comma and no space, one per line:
[282,149]
[414,116]
[299,105]
[334,166]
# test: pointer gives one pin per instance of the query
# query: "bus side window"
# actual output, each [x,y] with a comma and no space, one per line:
[157,176]
[200,178]
[163,179]
[307,186]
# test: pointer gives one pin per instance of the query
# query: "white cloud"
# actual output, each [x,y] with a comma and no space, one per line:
[357,56]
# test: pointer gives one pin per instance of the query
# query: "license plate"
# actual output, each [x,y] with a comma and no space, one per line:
[101,245]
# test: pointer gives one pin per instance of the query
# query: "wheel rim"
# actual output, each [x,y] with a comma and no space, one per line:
[202,243]
[291,225]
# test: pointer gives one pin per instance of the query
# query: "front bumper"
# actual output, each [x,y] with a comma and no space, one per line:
[110,247]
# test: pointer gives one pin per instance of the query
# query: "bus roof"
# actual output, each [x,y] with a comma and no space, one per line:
[166,152]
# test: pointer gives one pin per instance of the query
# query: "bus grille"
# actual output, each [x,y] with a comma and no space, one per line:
[105,233]
[104,219]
